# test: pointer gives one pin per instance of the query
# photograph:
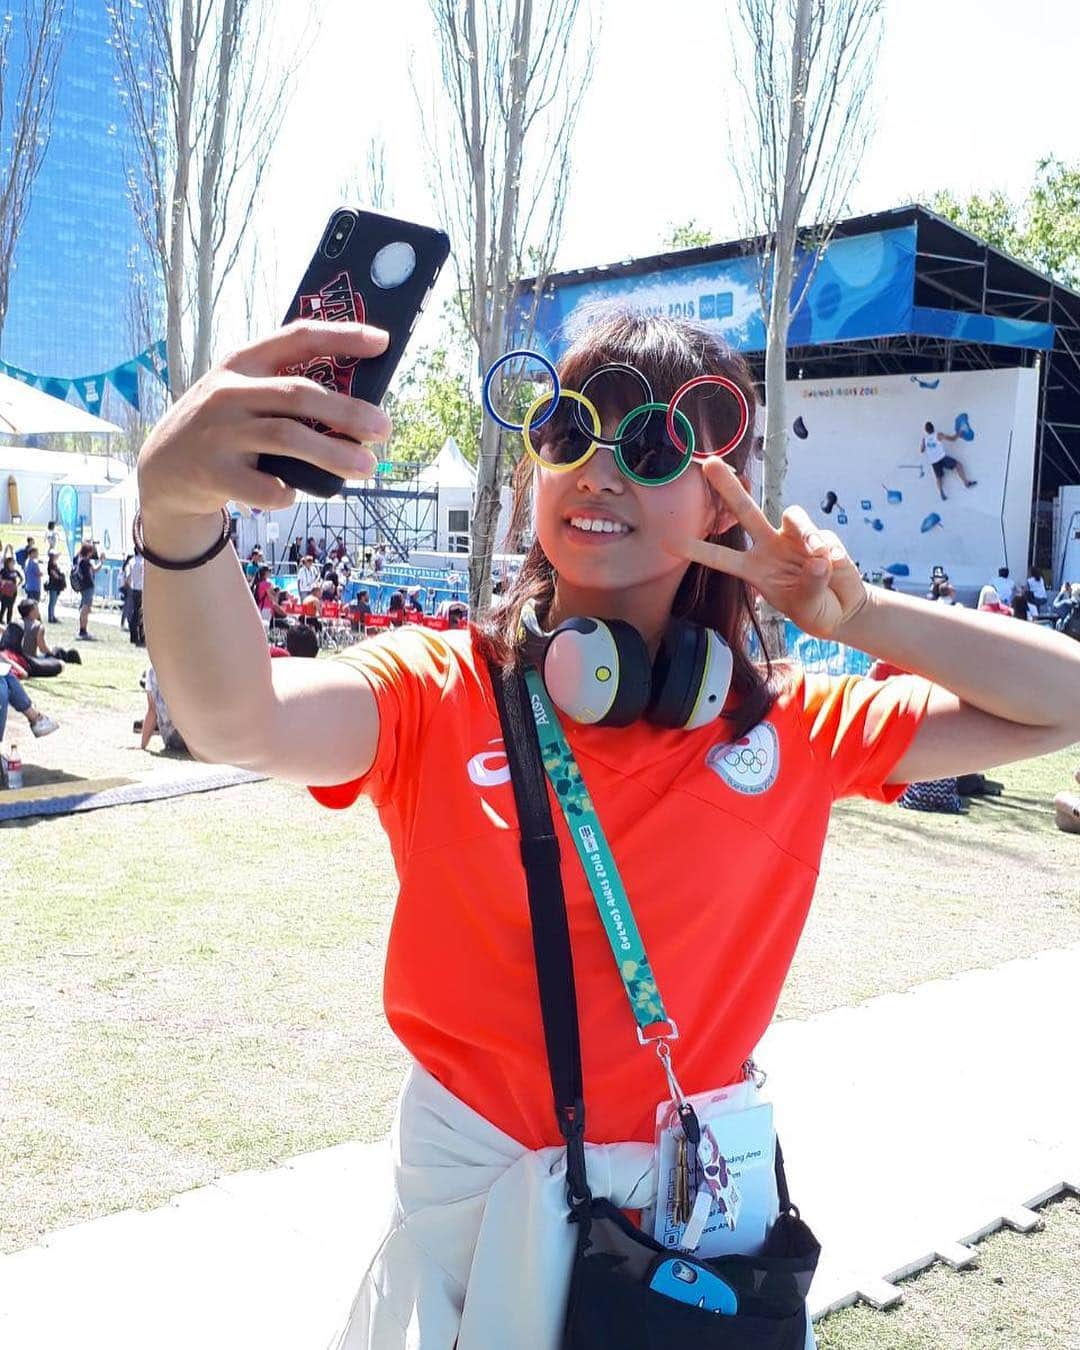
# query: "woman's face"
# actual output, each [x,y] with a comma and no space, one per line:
[601,531]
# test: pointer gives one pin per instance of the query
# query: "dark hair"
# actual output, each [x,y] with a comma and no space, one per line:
[25,606]
[52,525]
[929,426]
[301,640]
[668,352]
[396,601]
[1003,572]
[263,572]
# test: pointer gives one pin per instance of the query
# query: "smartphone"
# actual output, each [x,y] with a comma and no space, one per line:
[368,268]
[695,1285]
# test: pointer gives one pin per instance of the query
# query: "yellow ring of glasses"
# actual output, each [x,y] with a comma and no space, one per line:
[535,407]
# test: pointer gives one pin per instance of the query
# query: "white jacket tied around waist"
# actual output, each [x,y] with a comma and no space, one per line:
[477,1251]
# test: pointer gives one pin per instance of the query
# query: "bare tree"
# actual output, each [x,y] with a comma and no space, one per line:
[797,157]
[26,113]
[205,104]
[513,73]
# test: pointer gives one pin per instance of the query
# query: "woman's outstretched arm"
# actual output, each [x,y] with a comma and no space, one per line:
[1005,690]
[312,722]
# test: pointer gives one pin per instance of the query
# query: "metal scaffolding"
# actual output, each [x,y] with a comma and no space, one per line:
[393,510]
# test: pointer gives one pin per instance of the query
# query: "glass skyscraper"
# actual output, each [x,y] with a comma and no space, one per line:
[68,312]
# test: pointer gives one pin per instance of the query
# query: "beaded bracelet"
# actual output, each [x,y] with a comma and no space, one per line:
[170,564]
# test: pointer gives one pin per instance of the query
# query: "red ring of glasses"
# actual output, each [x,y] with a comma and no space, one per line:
[724,383]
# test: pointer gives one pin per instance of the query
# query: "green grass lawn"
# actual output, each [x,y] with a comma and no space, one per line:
[192,987]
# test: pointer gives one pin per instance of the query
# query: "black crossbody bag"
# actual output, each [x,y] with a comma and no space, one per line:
[611,1303]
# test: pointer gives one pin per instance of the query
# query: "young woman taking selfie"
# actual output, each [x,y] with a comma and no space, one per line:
[690,803]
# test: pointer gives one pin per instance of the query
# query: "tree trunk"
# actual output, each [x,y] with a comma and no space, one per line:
[174,272]
[485,515]
[774,467]
[205,257]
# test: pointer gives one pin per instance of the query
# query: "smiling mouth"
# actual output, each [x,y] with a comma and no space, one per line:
[593,527]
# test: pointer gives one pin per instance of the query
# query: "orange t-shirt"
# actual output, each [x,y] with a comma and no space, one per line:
[718,846]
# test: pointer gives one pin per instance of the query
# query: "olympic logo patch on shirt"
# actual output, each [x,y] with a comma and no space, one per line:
[750,764]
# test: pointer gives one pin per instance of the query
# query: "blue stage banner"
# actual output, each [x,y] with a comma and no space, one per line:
[862,287]
[983,328]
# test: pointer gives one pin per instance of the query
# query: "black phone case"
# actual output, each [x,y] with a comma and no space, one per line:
[341,289]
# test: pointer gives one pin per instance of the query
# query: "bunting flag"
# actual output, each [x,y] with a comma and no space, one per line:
[90,389]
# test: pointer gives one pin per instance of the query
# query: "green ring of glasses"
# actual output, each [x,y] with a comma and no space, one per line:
[624,425]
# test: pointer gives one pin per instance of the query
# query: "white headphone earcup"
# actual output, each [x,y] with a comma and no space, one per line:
[592,670]
[715,683]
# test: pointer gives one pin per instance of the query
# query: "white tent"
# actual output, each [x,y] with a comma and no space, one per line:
[26,411]
[29,478]
[449,469]
[113,513]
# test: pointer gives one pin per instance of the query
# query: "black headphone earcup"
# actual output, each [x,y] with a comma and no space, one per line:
[635,676]
[676,675]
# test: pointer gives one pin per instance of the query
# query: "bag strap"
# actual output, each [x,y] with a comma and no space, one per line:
[550,927]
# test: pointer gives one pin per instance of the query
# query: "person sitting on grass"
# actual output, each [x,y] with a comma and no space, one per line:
[13,695]
[156,719]
[34,644]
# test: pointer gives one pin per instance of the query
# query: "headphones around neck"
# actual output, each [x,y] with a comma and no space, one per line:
[598,671]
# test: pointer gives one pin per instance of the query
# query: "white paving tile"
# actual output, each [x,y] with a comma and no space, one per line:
[913,1125]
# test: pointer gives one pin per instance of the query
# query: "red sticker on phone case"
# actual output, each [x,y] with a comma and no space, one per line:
[337,302]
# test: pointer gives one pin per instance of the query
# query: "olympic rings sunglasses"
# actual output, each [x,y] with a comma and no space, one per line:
[648,449]
[643,450]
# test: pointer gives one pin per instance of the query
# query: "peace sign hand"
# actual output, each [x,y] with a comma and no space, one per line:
[800,570]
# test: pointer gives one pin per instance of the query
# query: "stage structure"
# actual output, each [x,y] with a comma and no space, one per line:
[897,293]
[394,509]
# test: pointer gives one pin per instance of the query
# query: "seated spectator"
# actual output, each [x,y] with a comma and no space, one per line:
[157,720]
[34,644]
[395,609]
[359,611]
[312,608]
[302,641]
[457,615]
[1023,605]
[329,586]
[1068,616]
[1037,589]
[414,604]
[280,616]
[990,601]
[265,593]
[13,695]
[1062,602]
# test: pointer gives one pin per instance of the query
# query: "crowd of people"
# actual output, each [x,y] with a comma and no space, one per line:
[322,575]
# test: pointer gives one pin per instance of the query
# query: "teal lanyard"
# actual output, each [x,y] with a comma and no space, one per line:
[600,870]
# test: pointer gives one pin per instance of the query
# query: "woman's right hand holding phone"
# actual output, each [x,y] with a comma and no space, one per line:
[204,450]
